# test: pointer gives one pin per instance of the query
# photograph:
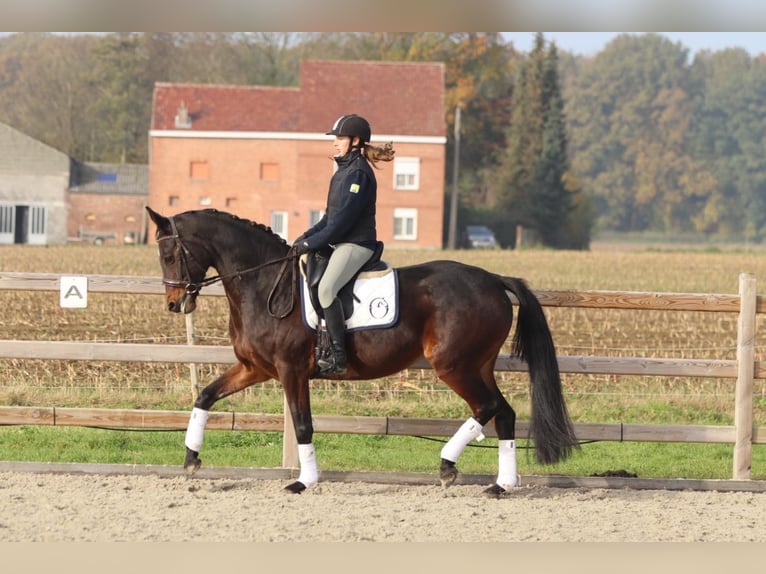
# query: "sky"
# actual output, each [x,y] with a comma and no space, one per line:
[589,43]
[576,16]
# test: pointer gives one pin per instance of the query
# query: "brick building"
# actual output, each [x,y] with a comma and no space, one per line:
[106,202]
[48,198]
[262,153]
[34,179]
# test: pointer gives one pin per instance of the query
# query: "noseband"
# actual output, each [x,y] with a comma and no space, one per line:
[185,282]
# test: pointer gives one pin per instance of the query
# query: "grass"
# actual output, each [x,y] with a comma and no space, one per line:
[358,452]
[414,392]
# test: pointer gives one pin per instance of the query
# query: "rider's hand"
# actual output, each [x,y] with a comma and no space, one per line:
[301,248]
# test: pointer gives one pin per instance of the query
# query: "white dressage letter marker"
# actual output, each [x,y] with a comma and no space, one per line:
[74,292]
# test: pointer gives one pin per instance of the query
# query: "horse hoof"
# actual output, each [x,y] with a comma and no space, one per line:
[495,491]
[192,463]
[447,473]
[295,488]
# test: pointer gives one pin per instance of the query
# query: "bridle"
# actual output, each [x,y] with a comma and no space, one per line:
[193,289]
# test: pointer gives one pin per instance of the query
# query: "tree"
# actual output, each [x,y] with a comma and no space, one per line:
[727,136]
[40,89]
[124,109]
[523,141]
[537,188]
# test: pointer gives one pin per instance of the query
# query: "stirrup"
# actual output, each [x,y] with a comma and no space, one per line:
[331,367]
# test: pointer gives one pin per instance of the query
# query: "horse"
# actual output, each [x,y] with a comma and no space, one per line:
[455,315]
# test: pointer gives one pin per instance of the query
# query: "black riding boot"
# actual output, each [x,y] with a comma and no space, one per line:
[336,328]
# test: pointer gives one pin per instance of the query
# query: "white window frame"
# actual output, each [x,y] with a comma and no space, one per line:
[405,223]
[407,173]
[315,215]
[37,225]
[279,221]
[7,223]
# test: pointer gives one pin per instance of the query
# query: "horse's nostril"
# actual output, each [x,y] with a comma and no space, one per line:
[172,306]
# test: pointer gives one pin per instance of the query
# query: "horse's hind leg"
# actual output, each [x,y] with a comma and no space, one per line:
[234,379]
[507,471]
[505,428]
[468,431]
[485,402]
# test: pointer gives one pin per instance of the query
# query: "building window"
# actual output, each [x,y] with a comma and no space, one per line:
[173,200]
[90,217]
[205,201]
[36,221]
[230,201]
[269,172]
[7,220]
[405,223]
[406,173]
[314,216]
[279,223]
[130,218]
[199,170]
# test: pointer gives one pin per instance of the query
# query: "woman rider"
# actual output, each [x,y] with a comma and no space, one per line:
[347,227]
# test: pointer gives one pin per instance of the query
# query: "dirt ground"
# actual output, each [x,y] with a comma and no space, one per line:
[137,508]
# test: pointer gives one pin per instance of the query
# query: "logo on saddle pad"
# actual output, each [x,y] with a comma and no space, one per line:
[376,304]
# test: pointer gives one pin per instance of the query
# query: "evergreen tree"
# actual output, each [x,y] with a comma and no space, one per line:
[537,189]
[523,143]
[120,77]
[550,202]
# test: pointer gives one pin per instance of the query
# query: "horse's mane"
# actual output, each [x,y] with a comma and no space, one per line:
[239,220]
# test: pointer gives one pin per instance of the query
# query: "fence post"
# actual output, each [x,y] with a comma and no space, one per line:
[190,340]
[743,393]
[289,441]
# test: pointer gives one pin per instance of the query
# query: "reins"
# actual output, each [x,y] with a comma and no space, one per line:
[194,288]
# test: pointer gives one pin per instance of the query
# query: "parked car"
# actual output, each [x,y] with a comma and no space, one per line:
[94,237]
[479,237]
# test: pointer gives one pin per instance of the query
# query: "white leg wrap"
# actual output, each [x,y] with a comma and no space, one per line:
[309,475]
[507,475]
[469,431]
[196,429]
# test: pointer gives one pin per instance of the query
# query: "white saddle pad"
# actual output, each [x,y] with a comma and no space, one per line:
[376,305]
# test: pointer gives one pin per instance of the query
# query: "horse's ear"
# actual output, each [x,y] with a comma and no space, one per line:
[162,222]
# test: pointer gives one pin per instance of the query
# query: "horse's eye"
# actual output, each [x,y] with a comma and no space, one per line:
[169,259]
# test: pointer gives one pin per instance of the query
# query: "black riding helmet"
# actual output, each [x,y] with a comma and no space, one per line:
[352,125]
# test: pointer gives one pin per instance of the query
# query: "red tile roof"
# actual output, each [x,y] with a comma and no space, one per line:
[398,98]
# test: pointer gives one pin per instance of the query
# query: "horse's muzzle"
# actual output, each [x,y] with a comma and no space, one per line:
[180,300]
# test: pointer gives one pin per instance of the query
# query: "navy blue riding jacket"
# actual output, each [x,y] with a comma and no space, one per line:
[350,213]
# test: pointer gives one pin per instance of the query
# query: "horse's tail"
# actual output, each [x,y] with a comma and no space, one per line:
[550,425]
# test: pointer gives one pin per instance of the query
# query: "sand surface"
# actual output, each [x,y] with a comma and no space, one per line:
[136,508]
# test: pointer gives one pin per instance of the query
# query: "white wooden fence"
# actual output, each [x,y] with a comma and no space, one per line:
[742,435]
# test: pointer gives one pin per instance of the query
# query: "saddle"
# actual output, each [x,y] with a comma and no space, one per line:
[315,265]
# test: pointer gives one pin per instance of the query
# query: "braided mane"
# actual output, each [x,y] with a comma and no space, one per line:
[236,218]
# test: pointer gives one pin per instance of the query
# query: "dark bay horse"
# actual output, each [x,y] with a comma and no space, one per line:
[457,316]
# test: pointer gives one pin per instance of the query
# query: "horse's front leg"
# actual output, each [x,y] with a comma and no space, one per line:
[233,380]
[296,388]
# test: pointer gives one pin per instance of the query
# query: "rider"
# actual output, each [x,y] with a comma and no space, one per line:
[348,225]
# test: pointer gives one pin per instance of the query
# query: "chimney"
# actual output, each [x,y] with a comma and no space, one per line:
[183,119]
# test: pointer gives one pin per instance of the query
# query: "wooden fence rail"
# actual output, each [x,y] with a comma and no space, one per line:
[402,426]
[744,369]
